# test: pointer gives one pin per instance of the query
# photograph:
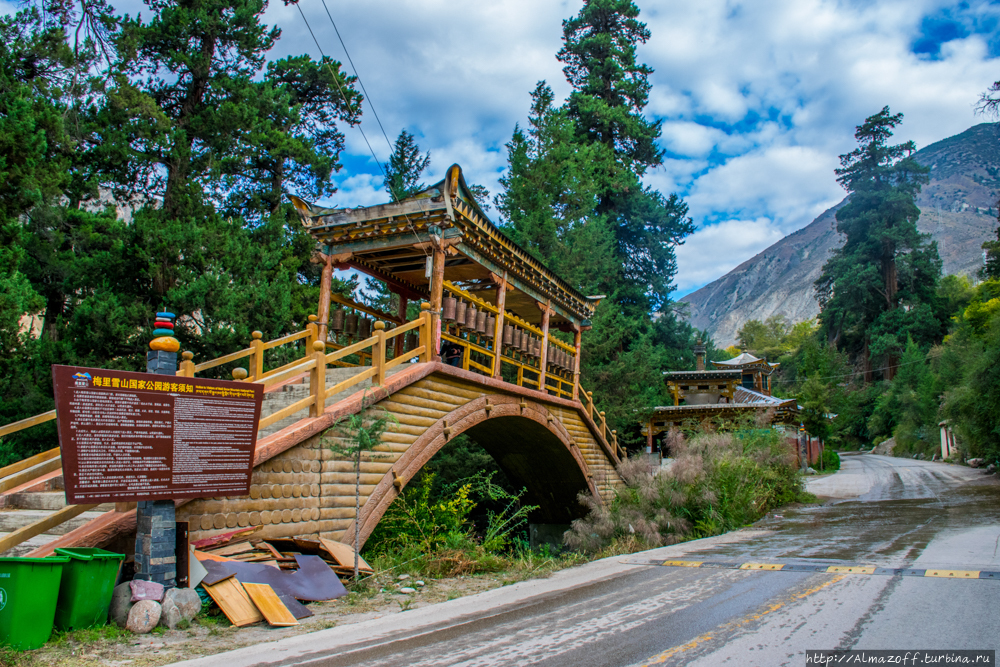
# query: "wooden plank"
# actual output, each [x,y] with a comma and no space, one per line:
[230,549]
[37,528]
[36,471]
[95,533]
[205,555]
[226,538]
[344,555]
[270,606]
[290,338]
[33,460]
[234,602]
[351,381]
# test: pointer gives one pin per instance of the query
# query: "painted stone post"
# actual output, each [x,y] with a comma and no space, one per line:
[156,520]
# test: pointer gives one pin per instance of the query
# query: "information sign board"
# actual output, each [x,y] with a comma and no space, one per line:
[138,436]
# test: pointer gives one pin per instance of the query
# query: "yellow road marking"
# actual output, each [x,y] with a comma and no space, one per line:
[954,574]
[853,569]
[761,566]
[682,563]
[698,641]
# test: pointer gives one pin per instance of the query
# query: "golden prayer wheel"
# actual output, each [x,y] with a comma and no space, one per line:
[364,328]
[491,326]
[481,321]
[337,321]
[448,306]
[460,310]
[471,317]
[351,324]
[508,335]
[522,341]
[538,348]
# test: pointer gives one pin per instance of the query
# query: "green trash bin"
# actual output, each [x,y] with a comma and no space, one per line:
[88,580]
[29,589]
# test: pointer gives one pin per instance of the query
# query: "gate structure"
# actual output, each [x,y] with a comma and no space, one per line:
[485,341]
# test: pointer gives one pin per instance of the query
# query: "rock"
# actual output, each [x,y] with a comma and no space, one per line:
[187,601]
[143,617]
[170,614]
[974,463]
[146,590]
[121,604]
[991,468]
[403,577]
[885,448]
[810,471]
[419,584]
[407,590]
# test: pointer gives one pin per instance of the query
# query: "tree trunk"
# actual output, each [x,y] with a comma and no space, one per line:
[357,513]
[867,358]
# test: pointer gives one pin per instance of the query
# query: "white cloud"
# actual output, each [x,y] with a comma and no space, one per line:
[721,247]
[758,97]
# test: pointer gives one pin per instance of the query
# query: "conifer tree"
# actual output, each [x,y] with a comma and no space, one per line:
[879,287]
[405,168]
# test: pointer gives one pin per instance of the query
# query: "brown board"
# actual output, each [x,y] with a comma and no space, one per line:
[274,610]
[234,602]
[139,436]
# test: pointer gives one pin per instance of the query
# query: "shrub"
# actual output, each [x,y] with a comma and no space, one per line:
[717,482]
[830,461]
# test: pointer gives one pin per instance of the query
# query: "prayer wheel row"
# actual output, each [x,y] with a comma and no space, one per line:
[468,316]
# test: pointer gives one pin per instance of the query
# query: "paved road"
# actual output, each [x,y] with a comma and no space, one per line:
[884,512]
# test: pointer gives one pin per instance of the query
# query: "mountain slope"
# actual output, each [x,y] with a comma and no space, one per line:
[956,209]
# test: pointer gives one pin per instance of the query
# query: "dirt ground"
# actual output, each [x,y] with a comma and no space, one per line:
[212,633]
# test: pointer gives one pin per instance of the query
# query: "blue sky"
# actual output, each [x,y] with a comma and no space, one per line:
[757,98]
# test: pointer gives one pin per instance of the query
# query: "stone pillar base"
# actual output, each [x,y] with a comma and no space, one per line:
[156,542]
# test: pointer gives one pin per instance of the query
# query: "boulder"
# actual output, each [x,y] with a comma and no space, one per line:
[187,601]
[121,604]
[143,617]
[407,590]
[991,468]
[170,614]
[146,590]
[975,463]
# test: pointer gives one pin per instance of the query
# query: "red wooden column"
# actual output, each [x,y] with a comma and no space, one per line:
[649,437]
[325,283]
[401,314]
[498,330]
[437,293]
[576,364]
[543,358]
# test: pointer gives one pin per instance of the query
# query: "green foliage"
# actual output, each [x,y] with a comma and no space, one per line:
[829,461]
[717,482]
[405,167]
[573,197]
[878,289]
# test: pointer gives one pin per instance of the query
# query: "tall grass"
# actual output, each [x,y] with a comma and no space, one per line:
[717,482]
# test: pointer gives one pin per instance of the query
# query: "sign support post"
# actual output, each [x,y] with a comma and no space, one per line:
[156,520]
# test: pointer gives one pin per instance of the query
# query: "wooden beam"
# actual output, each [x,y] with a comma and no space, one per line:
[544,356]
[29,474]
[437,294]
[377,314]
[27,423]
[576,366]
[37,528]
[323,314]
[401,314]
[498,331]
[412,291]
[29,462]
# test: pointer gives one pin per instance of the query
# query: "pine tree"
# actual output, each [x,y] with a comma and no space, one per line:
[405,168]
[879,287]
[611,91]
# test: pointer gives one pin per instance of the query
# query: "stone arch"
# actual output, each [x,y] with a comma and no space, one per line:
[545,447]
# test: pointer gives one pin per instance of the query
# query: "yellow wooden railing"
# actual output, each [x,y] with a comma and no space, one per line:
[375,353]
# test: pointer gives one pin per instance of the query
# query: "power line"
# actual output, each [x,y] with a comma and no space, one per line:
[357,75]
[343,94]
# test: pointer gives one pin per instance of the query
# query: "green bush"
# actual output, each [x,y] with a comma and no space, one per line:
[717,482]
[830,461]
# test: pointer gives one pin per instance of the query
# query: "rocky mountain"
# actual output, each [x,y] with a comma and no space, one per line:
[957,208]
